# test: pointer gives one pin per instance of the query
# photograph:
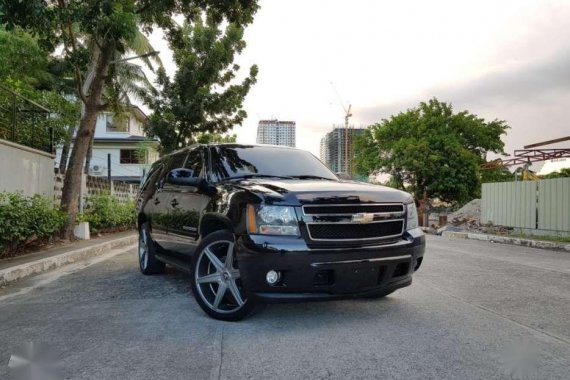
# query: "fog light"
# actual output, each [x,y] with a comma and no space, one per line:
[272,277]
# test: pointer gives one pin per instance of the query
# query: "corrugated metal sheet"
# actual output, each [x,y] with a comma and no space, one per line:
[554,204]
[511,204]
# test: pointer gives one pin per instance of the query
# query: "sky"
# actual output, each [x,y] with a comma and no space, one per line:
[507,60]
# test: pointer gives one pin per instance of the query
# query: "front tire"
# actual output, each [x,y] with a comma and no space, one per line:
[216,279]
[148,263]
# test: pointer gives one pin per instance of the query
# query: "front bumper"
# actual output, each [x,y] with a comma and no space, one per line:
[322,274]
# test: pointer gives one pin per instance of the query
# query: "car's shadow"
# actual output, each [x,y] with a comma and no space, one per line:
[303,313]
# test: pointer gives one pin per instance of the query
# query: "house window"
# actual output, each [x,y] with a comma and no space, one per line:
[117,124]
[132,156]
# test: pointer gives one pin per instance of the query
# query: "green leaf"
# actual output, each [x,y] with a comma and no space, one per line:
[431,150]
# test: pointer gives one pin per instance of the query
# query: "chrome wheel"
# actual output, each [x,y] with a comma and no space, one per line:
[217,278]
[143,249]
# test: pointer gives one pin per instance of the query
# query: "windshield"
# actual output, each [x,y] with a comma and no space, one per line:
[238,161]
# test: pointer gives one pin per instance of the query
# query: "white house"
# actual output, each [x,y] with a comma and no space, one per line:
[122,138]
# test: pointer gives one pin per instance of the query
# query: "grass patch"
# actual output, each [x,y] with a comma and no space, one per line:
[554,238]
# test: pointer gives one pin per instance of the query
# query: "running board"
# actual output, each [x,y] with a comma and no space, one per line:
[177,263]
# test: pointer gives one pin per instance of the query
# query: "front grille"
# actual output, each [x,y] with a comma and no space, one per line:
[350,231]
[352,209]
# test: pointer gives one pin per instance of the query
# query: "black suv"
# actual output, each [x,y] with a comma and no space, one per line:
[255,223]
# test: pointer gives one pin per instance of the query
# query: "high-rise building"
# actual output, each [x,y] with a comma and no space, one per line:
[276,132]
[323,150]
[337,154]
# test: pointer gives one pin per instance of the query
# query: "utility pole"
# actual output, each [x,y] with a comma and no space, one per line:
[109,167]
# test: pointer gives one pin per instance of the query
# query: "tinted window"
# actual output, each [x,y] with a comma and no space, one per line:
[176,161]
[230,161]
[195,162]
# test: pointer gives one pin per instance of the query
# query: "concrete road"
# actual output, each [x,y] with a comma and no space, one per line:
[476,310]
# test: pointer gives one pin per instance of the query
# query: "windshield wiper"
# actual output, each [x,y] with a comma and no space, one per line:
[308,176]
[247,176]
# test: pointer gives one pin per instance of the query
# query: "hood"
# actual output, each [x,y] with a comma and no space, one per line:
[300,192]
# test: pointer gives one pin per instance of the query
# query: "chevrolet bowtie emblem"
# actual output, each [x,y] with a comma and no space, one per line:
[363,217]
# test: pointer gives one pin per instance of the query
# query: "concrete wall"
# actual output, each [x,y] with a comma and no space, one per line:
[26,169]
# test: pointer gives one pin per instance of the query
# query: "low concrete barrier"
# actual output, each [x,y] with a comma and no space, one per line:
[21,271]
[508,240]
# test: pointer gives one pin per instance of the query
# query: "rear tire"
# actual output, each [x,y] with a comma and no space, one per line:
[216,279]
[148,263]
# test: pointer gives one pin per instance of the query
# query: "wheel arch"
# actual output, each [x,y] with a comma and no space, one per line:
[214,222]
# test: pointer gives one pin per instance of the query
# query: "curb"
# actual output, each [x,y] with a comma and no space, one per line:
[21,271]
[508,240]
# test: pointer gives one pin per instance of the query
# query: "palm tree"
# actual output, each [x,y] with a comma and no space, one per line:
[126,81]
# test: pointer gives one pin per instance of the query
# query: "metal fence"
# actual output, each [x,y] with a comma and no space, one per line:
[533,205]
[24,121]
[554,204]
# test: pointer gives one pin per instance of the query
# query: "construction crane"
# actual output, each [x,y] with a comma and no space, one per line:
[527,156]
[346,147]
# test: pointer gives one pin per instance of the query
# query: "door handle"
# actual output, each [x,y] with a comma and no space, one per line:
[156,201]
[174,203]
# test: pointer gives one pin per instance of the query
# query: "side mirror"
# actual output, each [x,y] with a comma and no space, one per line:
[184,177]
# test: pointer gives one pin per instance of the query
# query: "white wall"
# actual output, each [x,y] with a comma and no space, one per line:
[135,128]
[117,169]
[99,158]
[25,169]
[100,150]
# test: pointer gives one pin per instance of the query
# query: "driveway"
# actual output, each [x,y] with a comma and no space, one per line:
[476,310]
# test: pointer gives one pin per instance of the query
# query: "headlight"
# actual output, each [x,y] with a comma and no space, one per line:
[412,216]
[272,220]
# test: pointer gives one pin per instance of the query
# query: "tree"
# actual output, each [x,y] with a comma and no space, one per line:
[431,151]
[498,174]
[22,60]
[562,173]
[110,26]
[28,70]
[209,138]
[125,81]
[200,99]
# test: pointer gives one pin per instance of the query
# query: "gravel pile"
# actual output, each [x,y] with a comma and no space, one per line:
[470,214]
[467,218]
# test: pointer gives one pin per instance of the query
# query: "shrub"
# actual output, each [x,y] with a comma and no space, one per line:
[105,212]
[24,220]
